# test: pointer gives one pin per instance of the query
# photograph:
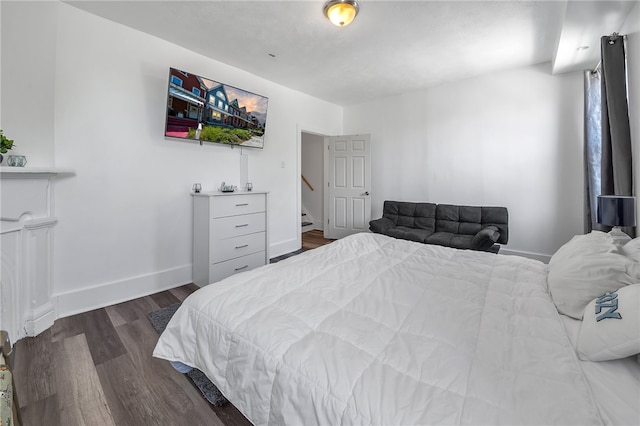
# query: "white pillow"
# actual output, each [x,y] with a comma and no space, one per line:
[577,281]
[611,326]
[632,249]
[594,242]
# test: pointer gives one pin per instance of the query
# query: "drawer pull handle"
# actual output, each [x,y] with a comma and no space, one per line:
[242,267]
[241,205]
[240,226]
[239,247]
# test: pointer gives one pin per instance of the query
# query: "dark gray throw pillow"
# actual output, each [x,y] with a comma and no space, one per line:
[485,238]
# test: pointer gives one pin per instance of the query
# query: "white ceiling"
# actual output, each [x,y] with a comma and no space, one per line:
[392,47]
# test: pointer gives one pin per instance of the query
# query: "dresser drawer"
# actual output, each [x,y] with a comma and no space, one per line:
[234,226]
[231,205]
[221,270]
[231,248]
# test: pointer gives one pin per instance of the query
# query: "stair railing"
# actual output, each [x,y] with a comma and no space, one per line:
[304,179]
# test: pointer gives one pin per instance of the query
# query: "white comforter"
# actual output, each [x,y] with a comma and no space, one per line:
[374,330]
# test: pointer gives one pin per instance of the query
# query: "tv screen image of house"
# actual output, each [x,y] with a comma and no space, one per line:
[202,109]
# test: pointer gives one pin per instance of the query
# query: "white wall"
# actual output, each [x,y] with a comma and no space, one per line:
[313,169]
[125,217]
[511,139]
[631,28]
[28,79]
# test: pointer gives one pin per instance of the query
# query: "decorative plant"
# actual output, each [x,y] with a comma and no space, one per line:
[5,143]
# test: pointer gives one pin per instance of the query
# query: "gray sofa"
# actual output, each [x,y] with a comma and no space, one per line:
[463,227]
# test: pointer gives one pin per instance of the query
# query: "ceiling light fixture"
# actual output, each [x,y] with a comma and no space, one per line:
[341,12]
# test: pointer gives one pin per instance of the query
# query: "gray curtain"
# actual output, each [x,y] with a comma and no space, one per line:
[608,162]
[617,176]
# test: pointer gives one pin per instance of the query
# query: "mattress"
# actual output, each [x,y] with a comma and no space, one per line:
[371,329]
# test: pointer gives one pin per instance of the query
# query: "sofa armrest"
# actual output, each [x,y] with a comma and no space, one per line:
[382,225]
[485,238]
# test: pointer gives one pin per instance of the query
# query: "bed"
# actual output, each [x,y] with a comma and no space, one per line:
[375,330]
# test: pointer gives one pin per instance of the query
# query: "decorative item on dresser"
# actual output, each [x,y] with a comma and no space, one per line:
[229,234]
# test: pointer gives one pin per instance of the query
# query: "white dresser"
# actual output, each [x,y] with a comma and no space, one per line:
[229,234]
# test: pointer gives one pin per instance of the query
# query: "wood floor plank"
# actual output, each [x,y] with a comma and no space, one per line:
[164,298]
[81,399]
[125,310]
[33,371]
[66,327]
[104,342]
[44,411]
[184,291]
[230,416]
[193,287]
[168,387]
[136,308]
[314,239]
[114,316]
[130,399]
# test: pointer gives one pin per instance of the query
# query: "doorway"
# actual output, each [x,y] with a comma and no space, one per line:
[312,178]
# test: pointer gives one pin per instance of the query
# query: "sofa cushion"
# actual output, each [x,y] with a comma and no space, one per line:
[382,225]
[450,239]
[411,234]
[469,220]
[465,220]
[411,215]
[498,217]
[485,238]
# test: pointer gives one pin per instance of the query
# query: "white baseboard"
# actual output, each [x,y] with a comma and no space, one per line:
[284,247]
[87,299]
[535,256]
[42,318]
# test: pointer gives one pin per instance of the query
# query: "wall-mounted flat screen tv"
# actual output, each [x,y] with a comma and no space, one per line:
[202,109]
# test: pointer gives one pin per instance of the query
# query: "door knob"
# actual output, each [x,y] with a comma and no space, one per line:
[366,193]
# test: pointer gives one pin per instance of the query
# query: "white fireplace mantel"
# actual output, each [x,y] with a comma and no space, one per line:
[26,172]
[27,220]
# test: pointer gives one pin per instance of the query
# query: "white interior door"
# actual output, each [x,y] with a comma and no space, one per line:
[348,177]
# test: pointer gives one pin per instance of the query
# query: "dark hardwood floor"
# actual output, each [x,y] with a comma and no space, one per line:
[96,368]
[313,239]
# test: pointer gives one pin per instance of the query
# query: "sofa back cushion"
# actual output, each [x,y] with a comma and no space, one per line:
[468,220]
[411,215]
